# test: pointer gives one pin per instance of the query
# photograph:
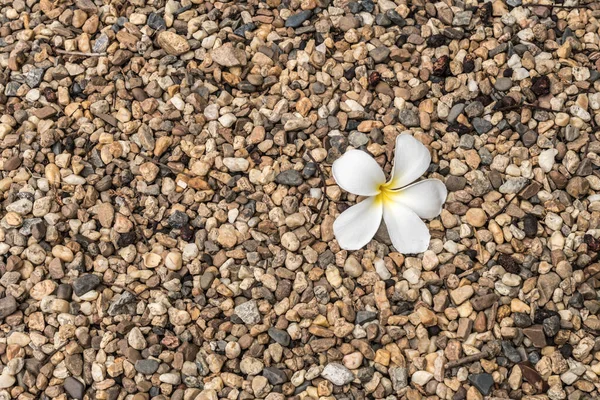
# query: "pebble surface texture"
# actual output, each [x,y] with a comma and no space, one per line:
[167,201]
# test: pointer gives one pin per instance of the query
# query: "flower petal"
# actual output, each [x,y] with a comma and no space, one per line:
[408,232]
[356,226]
[411,160]
[425,198]
[358,173]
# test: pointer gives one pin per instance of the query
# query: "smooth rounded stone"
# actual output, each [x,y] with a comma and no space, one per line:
[503,84]
[455,183]
[476,217]
[8,305]
[251,366]
[290,177]
[170,378]
[206,280]
[74,388]
[352,267]
[136,339]
[6,380]
[455,111]
[290,241]
[146,366]
[421,377]
[379,54]
[337,374]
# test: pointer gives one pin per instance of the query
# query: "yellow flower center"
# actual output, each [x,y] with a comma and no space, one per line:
[386,193]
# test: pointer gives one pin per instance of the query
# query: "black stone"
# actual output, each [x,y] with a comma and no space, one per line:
[123,304]
[280,336]
[309,170]
[74,388]
[297,19]
[246,87]
[436,40]
[576,301]
[367,5]
[395,18]
[290,177]
[364,316]
[241,31]
[441,66]
[146,367]
[566,350]
[178,219]
[365,374]
[156,22]
[382,20]
[468,64]
[530,225]
[275,376]
[354,7]
[543,313]
[522,320]
[481,125]
[460,394]
[349,74]
[483,382]
[508,263]
[125,239]
[326,258]
[85,283]
[64,291]
[534,357]
[541,85]
[510,352]
[302,387]
[551,325]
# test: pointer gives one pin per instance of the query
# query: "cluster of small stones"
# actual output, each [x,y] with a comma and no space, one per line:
[167,203]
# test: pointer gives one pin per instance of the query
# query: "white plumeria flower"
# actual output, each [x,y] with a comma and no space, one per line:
[400,204]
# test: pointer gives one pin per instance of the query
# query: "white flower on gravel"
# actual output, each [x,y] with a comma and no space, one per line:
[400,204]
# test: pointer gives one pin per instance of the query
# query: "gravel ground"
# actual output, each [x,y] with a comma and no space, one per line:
[167,200]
